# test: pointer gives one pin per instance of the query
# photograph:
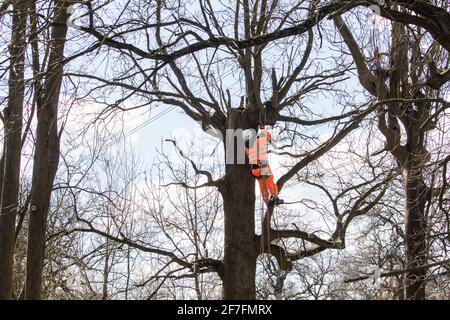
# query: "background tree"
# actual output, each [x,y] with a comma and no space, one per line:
[10,159]
[399,77]
[46,154]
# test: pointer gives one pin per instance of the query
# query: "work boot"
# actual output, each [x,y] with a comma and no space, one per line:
[275,201]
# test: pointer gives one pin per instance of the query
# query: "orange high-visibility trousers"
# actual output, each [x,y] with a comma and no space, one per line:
[267,186]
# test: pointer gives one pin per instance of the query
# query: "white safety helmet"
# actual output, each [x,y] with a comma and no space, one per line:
[248,134]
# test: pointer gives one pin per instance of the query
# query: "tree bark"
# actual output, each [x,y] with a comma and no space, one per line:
[46,155]
[10,160]
[240,256]
[415,233]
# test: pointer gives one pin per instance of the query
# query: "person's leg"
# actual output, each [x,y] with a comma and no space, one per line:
[272,186]
[256,172]
[264,190]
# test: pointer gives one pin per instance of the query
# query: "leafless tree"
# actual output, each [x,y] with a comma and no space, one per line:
[46,152]
[10,160]
[411,108]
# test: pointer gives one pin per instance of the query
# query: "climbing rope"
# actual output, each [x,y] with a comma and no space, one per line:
[261,250]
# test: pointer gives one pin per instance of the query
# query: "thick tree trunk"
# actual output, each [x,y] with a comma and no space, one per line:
[240,256]
[10,160]
[415,232]
[46,155]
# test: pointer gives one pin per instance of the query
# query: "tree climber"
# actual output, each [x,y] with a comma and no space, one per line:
[256,151]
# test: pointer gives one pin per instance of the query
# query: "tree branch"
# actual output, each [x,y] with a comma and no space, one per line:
[399,272]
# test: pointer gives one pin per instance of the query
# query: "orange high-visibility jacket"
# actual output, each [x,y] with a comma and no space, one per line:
[258,151]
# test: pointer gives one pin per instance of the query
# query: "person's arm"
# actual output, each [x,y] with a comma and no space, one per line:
[268,135]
